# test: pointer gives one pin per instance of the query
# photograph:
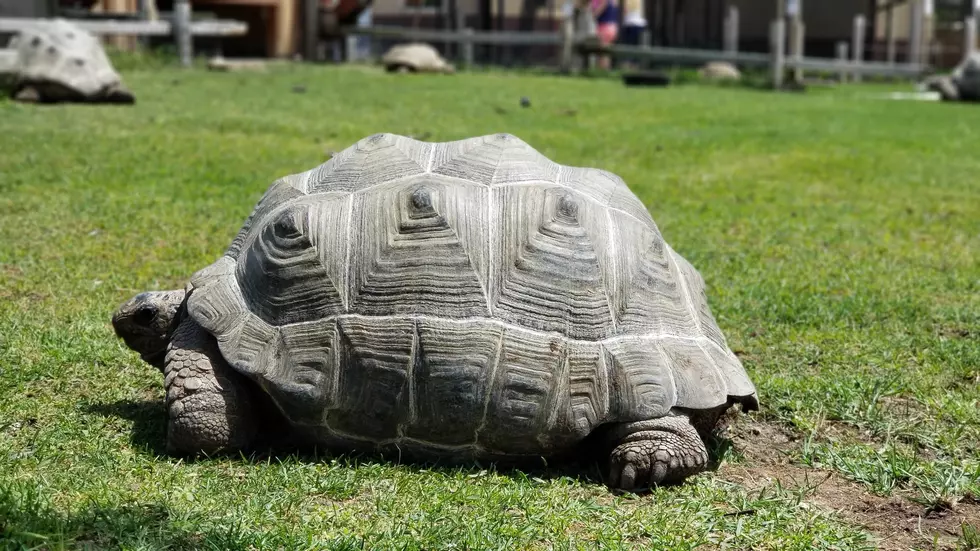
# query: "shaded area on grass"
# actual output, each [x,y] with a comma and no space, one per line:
[27,521]
[149,419]
[588,463]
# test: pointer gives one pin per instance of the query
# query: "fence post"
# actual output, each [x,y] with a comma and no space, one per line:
[777,45]
[182,31]
[350,48]
[969,35]
[567,38]
[459,25]
[468,47]
[842,59]
[147,12]
[890,34]
[858,45]
[731,30]
[915,32]
[797,44]
[928,31]
[311,29]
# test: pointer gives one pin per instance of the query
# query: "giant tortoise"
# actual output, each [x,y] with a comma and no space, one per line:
[466,300]
[55,61]
[415,57]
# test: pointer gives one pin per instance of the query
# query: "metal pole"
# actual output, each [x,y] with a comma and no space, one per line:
[182,31]
[858,44]
[731,30]
[969,35]
[447,22]
[311,29]
[468,47]
[646,39]
[777,38]
[890,33]
[459,24]
[928,28]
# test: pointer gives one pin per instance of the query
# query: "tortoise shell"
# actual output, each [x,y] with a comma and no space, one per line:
[63,59]
[416,56]
[463,294]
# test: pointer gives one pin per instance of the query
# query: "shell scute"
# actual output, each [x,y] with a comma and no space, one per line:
[451,376]
[526,394]
[641,379]
[414,242]
[373,399]
[372,161]
[551,264]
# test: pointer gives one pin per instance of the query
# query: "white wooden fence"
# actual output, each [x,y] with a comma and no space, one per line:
[776,59]
[849,63]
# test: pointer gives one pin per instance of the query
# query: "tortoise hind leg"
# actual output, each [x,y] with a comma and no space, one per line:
[663,450]
[208,403]
[118,93]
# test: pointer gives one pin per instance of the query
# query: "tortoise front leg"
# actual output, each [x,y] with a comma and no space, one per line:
[27,94]
[208,402]
[663,450]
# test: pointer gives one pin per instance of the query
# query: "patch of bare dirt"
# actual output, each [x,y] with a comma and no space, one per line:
[897,523]
[954,332]
[843,432]
[902,405]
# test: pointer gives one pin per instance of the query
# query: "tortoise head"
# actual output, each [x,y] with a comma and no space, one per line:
[146,322]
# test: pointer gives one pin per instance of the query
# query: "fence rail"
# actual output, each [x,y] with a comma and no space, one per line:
[567,39]
[499,38]
[216,27]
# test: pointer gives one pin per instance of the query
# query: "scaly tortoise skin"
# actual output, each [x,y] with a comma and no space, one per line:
[467,300]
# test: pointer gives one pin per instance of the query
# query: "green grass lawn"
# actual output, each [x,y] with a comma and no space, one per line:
[839,236]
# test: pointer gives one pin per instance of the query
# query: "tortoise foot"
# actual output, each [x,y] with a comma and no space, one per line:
[119,94]
[658,451]
[207,402]
[28,94]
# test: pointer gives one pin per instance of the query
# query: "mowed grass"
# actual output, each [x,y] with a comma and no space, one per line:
[839,236]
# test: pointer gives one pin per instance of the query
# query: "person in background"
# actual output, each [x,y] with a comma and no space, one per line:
[606,14]
[634,23]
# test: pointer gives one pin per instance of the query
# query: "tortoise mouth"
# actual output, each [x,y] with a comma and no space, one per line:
[156,359]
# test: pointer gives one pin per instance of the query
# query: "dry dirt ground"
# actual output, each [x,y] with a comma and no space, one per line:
[898,523]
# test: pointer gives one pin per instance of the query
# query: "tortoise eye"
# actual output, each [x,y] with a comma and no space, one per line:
[144,315]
